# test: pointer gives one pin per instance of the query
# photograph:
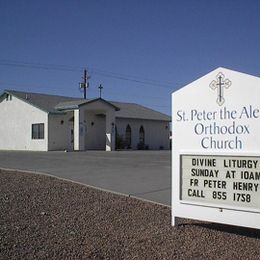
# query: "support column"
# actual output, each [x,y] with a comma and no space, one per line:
[110,131]
[79,130]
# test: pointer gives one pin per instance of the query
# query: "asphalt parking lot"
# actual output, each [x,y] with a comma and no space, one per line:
[142,174]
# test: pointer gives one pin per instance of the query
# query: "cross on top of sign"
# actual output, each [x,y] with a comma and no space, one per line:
[220,84]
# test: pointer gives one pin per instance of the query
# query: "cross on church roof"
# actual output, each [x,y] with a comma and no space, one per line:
[100,90]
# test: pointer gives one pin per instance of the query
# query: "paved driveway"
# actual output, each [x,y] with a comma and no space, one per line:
[144,174]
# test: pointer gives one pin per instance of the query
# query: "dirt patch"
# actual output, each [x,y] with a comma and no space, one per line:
[43,217]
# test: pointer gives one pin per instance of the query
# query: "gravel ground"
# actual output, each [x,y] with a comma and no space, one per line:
[43,217]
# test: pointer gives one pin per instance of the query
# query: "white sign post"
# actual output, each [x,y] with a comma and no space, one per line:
[216,149]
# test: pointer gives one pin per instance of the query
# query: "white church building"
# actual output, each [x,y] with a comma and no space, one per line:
[40,122]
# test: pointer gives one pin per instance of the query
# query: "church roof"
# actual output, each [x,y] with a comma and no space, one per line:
[77,103]
[57,104]
[132,110]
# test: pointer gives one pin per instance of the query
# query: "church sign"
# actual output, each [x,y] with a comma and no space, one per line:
[216,149]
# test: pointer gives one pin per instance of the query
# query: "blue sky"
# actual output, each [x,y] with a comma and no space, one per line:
[139,50]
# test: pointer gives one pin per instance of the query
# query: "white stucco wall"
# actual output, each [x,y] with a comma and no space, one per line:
[60,132]
[156,132]
[95,138]
[95,120]
[16,119]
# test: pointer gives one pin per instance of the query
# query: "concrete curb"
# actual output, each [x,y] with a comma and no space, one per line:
[83,184]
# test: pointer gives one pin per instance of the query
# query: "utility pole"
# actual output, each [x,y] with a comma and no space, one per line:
[100,90]
[85,84]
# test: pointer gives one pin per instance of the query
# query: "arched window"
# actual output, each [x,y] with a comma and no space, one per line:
[128,138]
[141,135]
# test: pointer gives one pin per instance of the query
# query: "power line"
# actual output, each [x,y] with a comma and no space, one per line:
[37,66]
[23,85]
[97,71]
[108,91]
[109,74]
[126,76]
[132,80]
